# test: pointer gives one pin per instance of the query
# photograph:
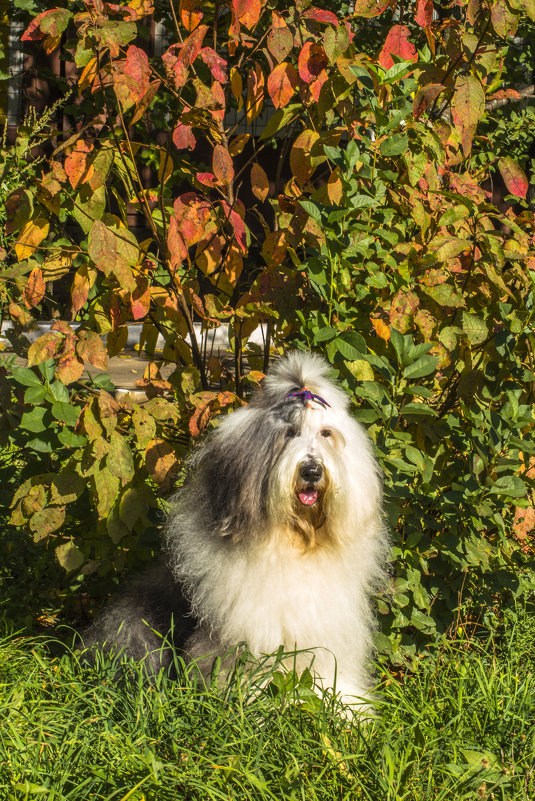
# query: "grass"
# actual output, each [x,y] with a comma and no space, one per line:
[463,727]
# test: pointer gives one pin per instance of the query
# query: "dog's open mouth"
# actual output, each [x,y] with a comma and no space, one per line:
[308,496]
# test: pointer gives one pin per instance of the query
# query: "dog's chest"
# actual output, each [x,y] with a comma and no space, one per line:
[289,600]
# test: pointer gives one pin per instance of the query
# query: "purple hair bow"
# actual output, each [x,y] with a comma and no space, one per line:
[306,395]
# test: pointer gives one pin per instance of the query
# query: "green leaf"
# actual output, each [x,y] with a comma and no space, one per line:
[279,119]
[34,395]
[71,440]
[65,412]
[422,366]
[119,461]
[69,556]
[513,486]
[46,521]
[475,328]
[33,421]
[312,209]
[395,145]
[26,377]
[325,334]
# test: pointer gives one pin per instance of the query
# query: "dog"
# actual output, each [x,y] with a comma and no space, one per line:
[275,539]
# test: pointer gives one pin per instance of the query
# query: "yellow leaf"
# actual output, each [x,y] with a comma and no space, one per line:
[236,86]
[88,75]
[30,237]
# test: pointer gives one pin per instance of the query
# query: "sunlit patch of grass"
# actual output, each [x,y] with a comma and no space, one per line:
[461,728]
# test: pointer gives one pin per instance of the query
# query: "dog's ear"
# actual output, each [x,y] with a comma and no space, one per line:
[232,473]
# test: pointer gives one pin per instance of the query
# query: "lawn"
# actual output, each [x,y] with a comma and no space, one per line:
[461,727]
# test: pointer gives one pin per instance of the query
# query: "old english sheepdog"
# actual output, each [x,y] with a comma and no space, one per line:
[275,539]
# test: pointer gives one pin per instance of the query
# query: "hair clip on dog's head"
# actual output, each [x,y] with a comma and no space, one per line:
[306,396]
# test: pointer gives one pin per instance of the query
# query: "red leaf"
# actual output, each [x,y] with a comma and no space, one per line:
[222,165]
[397,44]
[320,15]
[183,137]
[424,13]
[50,23]
[218,94]
[207,179]
[176,244]
[175,67]
[136,66]
[312,60]
[514,176]
[140,299]
[192,214]
[192,46]
[216,64]
[237,224]
[281,84]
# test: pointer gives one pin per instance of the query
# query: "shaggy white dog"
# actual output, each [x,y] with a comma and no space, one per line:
[276,538]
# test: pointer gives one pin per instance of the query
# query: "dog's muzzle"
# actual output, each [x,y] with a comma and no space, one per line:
[310,482]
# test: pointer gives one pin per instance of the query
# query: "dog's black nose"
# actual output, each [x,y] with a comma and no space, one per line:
[311,472]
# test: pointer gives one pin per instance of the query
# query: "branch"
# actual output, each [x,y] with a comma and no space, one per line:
[522,94]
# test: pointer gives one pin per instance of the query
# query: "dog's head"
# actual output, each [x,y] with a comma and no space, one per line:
[293,460]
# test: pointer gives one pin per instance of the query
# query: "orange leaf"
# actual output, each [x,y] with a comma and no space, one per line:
[312,60]
[140,299]
[248,11]
[381,328]
[69,368]
[190,13]
[255,92]
[302,163]
[222,165]
[84,278]
[281,84]
[34,290]
[161,462]
[90,348]
[192,46]
[259,182]
[192,214]
[76,162]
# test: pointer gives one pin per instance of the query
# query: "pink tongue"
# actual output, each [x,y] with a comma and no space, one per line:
[308,497]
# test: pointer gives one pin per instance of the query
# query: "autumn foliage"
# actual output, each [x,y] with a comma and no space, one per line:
[317,175]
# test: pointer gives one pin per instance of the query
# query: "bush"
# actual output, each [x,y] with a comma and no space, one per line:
[324,178]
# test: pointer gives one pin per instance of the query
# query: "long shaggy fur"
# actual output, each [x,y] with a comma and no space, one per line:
[275,539]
